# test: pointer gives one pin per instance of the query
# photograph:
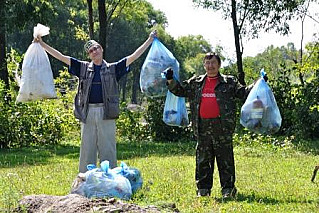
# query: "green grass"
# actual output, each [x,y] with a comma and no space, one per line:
[268,179]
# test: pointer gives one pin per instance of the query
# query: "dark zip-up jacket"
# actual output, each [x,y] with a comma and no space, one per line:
[227,90]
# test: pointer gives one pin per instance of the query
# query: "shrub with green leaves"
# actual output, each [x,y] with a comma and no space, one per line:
[145,123]
[159,130]
[131,124]
[35,123]
[298,104]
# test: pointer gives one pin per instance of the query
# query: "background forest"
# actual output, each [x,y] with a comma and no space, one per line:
[121,26]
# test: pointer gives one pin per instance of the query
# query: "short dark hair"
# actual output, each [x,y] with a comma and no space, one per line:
[210,55]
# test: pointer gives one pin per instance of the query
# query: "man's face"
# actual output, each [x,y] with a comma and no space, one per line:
[211,66]
[95,52]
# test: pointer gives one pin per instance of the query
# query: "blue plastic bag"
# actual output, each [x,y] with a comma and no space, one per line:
[175,113]
[157,60]
[260,112]
[132,174]
[103,182]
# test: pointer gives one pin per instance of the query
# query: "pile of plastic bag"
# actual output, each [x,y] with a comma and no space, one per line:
[121,182]
[260,112]
[37,78]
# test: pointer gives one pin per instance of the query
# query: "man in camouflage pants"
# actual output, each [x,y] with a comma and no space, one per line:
[213,115]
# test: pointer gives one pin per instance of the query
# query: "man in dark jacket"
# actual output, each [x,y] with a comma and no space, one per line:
[213,115]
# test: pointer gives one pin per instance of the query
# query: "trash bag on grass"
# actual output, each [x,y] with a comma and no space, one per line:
[120,182]
[260,112]
[37,78]
[132,174]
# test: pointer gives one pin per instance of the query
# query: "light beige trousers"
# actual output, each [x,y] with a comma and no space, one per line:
[97,139]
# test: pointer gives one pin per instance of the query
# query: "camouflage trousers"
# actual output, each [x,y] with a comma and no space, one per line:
[214,142]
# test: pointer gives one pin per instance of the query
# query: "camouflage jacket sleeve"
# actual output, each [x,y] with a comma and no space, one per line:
[183,89]
[242,91]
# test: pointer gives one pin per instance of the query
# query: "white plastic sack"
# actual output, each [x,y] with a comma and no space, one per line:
[37,78]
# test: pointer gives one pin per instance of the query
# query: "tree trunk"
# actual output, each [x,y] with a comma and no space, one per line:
[123,85]
[4,75]
[91,23]
[301,43]
[135,86]
[103,24]
[301,53]
[239,53]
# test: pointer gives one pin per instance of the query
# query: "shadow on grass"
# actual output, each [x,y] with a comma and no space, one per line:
[128,150]
[311,146]
[10,158]
[252,198]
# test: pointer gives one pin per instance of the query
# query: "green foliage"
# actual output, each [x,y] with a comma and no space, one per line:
[284,93]
[307,109]
[272,60]
[27,125]
[145,123]
[35,123]
[299,103]
[131,124]
[158,129]
[67,21]
[189,51]
[256,16]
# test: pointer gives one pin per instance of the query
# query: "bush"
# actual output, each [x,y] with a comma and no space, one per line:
[145,123]
[131,124]
[298,104]
[27,125]
[159,130]
[307,109]
[36,123]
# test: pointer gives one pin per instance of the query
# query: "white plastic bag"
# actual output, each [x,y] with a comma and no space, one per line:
[37,78]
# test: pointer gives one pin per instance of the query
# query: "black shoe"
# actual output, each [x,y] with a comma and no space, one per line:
[203,192]
[229,193]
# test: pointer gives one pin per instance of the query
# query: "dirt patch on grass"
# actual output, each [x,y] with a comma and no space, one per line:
[74,203]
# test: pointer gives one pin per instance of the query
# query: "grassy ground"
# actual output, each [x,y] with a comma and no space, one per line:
[268,179]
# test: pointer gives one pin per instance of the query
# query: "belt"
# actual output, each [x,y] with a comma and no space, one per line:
[96,105]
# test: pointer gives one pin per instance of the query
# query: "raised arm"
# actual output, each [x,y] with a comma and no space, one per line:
[55,53]
[139,51]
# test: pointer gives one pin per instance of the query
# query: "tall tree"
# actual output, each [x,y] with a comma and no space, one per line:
[91,21]
[3,64]
[251,17]
[129,30]
[189,52]
[108,11]
[67,21]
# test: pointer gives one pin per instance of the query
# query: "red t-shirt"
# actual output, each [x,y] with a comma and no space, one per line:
[209,107]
